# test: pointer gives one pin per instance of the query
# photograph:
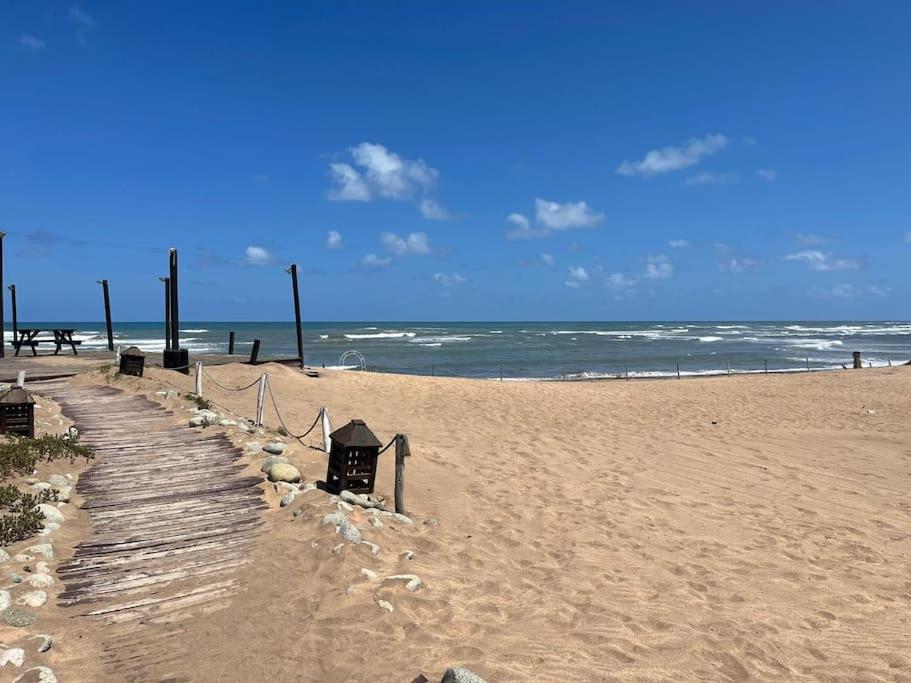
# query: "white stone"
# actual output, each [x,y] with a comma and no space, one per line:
[412,581]
[286,500]
[4,556]
[386,605]
[274,448]
[40,580]
[46,641]
[457,674]
[282,471]
[342,505]
[22,558]
[46,550]
[407,555]
[375,521]
[42,568]
[369,574]
[227,423]
[271,460]
[64,495]
[6,599]
[32,598]
[14,656]
[42,486]
[374,548]
[43,674]
[197,421]
[51,514]
[58,480]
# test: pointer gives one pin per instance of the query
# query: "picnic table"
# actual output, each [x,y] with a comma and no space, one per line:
[29,336]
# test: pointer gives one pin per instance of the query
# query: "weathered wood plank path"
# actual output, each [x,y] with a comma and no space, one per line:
[171,518]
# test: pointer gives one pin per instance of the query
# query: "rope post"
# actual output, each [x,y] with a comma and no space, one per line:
[678,369]
[327,429]
[501,372]
[563,372]
[231,343]
[117,355]
[729,368]
[808,363]
[433,369]
[627,373]
[765,365]
[199,378]
[402,451]
[261,399]
[20,379]
[254,352]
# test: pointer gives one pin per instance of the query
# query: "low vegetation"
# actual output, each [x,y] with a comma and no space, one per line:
[19,456]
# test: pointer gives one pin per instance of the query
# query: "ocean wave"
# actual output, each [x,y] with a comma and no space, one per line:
[496,331]
[431,344]
[324,336]
[815,344]
[424,341]
[709,339]
[381,335]
[194,331]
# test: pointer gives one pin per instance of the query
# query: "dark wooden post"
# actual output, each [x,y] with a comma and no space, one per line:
[2,322]
[402,451]
[175,312]
[231,343]
[167,312]
[107,313]
[678,369]
[765,364]
[857,361]
[297,315]
[254,354]
[12,294]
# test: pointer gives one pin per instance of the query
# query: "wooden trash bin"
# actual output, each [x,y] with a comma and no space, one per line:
[132,362]
[352,458]
[17,413]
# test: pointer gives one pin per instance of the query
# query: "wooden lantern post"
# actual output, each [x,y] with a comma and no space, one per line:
[297,315]
[107,313]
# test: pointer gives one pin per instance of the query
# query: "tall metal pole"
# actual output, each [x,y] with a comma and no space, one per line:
[167,312]
[107,313]
[297,315]
[2,323]
[175,314]
[12,294]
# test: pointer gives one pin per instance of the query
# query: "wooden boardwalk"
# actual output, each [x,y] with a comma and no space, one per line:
[172,520]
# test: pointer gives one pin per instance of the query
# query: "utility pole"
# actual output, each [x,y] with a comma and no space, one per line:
[107,313]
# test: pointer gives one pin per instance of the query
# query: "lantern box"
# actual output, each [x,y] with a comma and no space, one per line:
[132,362]
[17,413]
[352,459]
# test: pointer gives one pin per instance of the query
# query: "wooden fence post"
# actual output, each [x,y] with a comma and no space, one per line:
[261,400]
[254,354]
[327,430]
[402,451]
[678,369]
[199,378]
[231,343]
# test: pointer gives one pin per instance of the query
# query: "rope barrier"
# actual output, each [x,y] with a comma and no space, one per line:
[227,388]
[282,422]
[383,449]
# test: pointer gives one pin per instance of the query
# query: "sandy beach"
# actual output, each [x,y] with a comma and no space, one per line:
[726,528]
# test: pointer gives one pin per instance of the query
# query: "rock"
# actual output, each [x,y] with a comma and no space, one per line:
[282,471]
[12,616]
[42,568]
[171,393]
[226,422]
[4,556]
[197,421]
[42,486]
[246,427]
[396,516]
[386,605]
[32,599]
[457,674]
[58,480]
[374,548]
[254,447]
[21,559]
[334,518]
[375,522]
[412,581]
[17,578]
[64,494]
[14,656]
[407,555]
[286,500]
[342,505]
[46,550]
[272,460]
[274,448]
[40,674]
[46,641]
[431,522]
[6,599]
[347,530]
[363,501]
[49,528]
[40,581]
[369,574]
[284,487]
[51,514]
[31,480]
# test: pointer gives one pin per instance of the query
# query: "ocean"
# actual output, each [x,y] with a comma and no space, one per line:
[539,350]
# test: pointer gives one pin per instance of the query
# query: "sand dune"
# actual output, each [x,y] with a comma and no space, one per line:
[729,528]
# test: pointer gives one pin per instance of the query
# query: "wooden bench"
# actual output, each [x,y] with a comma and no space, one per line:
[27,336]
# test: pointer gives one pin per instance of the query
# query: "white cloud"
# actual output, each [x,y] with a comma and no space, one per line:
[413,243]
[809,239]
[740,264]
[548,259]
[706,178]
[334,239]
[820,261]
[769,174]
[849,291]
[577,276]
[523,229]
[749,140]
[379,172]
[620,281]
[449,280]
[678,244]
[257,256]
[372,261]
[434,211]
[79,16]
[658,267]
[30,42]
[556,216]
[908,237]
[669,159]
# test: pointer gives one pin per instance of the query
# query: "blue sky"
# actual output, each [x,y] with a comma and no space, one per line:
[458,161]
